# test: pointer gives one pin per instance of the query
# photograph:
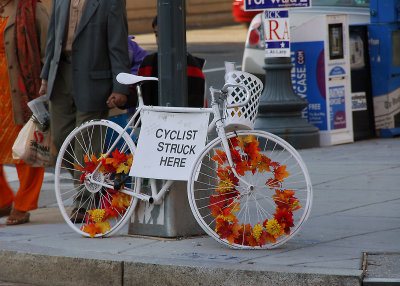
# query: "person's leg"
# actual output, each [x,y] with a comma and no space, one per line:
[63,110]
[83,199]
[62,106]
[6,194]
[30,183]
[64,117]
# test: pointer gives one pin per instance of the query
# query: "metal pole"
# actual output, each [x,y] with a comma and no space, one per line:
[172,217]
[172,85]
[280,107]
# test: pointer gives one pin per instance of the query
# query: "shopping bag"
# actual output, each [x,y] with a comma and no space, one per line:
[34,146]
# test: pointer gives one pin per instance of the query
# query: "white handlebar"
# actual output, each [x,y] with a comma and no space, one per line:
[126,78]
[248,94]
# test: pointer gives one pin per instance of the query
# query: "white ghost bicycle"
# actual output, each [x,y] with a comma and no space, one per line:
[247,189]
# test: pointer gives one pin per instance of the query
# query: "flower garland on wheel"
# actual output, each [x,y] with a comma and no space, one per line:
[224,203]
[114,203]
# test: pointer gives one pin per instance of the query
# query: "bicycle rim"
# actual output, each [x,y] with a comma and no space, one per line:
[265,207]
[89,208]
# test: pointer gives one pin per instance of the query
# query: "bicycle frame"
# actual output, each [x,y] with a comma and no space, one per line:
[157,196]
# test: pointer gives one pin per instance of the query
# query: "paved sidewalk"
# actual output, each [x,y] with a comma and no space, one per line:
[354,222]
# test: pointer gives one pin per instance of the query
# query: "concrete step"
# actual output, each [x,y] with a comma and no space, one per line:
[381,269]
[14,284]
[379,281]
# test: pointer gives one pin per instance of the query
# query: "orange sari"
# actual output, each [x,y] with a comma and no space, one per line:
[30,178]
[8,130]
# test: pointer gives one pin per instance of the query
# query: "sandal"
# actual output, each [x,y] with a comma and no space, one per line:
[5,211]
[17,217]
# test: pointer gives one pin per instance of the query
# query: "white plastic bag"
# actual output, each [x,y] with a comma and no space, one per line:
[33,145]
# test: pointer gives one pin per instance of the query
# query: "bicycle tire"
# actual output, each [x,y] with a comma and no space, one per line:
[236,215]
[105,211]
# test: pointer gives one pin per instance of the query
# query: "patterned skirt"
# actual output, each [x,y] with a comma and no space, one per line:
[8,130]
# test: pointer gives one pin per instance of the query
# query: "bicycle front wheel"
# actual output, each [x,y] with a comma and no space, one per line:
[91,199]
[265,205]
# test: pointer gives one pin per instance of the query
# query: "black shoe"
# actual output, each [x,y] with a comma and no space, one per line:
[78,215]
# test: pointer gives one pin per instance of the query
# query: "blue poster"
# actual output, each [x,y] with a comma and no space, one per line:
[337,105]
[308,78]
[275,4]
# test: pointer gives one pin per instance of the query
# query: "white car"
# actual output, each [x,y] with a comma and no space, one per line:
[254,52]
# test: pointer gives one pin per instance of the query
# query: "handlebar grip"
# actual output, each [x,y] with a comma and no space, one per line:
[127,78]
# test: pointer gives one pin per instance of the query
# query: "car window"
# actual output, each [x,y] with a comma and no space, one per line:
[351,3]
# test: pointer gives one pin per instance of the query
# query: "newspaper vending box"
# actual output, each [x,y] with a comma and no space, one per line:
[321,74]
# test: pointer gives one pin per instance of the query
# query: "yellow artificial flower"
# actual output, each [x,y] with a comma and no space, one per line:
[224,186]
[274,228]
[97,214]
[122,168]
[257,230]
[250,139]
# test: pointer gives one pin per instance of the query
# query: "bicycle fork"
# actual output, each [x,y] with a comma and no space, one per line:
[219,126]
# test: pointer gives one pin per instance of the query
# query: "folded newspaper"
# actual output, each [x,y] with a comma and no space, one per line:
[40,109]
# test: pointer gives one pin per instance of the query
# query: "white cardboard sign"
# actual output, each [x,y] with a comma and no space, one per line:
[168,144]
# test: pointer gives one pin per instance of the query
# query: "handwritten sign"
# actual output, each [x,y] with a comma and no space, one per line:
[168,144]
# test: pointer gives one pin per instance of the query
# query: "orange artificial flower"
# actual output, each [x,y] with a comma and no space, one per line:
[241,168]
[281,173]
[273,183]
[227,230]
[96,228]
[264,164]
[224,186]
[121,201]
[220,157]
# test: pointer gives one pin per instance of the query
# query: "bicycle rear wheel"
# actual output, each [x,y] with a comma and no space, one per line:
[98,208]
[263,208]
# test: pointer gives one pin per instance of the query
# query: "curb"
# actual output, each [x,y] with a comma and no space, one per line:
[46,270]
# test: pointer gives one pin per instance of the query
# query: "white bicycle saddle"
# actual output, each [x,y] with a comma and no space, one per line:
[127,78]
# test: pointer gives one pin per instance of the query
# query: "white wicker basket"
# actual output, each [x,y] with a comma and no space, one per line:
[242,117]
